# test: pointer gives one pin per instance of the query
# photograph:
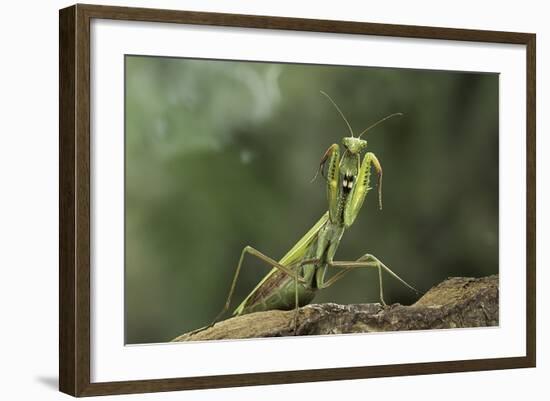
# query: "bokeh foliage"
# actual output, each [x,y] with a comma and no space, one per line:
[220,154]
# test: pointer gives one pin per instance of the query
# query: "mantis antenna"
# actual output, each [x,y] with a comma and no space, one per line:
[339,111]
[380,121]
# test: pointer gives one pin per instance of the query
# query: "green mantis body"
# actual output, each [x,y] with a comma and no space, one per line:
[295,279]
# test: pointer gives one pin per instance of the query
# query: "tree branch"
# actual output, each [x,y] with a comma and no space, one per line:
[454,303]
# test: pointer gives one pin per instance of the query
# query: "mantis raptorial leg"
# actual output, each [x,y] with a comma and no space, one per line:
[366,260]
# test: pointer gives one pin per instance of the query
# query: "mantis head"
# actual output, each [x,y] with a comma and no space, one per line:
[354,145]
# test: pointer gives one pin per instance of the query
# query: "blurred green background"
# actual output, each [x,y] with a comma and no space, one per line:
[220,154]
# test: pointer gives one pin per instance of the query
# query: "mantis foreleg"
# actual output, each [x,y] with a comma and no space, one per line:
[366,260]
[362,187]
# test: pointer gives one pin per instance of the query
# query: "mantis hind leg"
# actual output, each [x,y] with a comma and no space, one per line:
[272,262]
[366,260]
[287,270]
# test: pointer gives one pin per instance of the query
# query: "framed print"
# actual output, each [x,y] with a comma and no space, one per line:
[297,200]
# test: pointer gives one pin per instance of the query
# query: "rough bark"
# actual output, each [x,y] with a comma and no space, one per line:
[456,302]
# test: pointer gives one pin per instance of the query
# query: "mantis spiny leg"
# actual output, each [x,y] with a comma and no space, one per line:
[361,188]
[366,260]
[333,156]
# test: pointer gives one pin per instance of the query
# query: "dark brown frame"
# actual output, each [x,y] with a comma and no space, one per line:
[74,202]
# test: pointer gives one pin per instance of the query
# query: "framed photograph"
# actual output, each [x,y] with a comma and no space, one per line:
[250,200]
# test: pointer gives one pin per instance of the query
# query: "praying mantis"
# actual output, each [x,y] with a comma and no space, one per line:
[295,279]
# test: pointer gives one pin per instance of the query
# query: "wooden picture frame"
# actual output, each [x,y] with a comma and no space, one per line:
[74,206]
